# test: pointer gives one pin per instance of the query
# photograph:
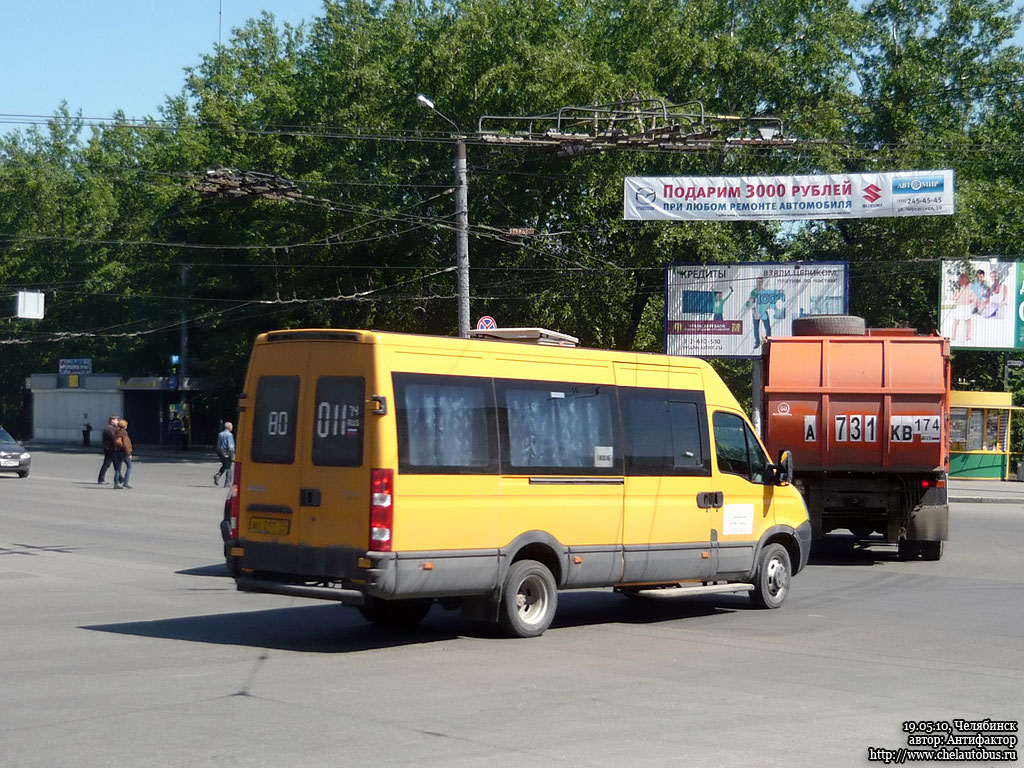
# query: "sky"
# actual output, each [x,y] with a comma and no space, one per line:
[105,55]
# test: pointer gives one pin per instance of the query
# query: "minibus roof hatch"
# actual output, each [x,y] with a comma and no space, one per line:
[528,335]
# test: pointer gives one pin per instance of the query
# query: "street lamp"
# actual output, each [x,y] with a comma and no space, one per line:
[461,219]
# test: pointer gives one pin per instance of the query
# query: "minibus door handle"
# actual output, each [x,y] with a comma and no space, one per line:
[710,499]
[309,497]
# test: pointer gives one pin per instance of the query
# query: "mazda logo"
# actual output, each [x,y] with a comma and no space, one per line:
[646,195]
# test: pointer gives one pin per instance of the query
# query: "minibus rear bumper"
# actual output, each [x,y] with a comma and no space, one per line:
[347,575]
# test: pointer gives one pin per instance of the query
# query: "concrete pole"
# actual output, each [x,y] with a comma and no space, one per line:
[756,393]
[183,351]
[462,237]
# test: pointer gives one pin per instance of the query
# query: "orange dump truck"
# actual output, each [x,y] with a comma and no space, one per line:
[867,420]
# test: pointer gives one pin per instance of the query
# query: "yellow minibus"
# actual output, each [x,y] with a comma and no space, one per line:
[387,471]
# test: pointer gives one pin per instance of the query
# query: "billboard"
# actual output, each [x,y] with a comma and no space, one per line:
[788,198]
[728,310]
[980,304]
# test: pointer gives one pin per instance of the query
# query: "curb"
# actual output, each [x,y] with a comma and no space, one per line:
[983,500]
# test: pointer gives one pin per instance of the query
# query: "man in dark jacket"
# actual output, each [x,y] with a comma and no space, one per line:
[109,436]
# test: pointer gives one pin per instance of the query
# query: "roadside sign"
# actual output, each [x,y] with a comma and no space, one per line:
[75,365]
[30,304]
[486,323]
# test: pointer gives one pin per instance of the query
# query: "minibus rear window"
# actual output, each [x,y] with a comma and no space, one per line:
[338,419]
[274,423]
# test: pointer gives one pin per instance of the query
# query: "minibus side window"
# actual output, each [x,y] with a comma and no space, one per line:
[560,428]
[445,424]
[665,434]
[274,423]
[758,460]
[338,418]
[737,449]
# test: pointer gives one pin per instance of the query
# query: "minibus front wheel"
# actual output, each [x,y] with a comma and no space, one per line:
[771,581]
[395,613]
[529,598]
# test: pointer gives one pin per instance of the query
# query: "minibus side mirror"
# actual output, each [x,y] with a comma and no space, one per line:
[784,468]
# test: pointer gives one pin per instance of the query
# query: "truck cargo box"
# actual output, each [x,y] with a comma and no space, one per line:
[873,403]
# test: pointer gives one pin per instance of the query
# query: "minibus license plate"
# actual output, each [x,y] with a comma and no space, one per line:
[269,525]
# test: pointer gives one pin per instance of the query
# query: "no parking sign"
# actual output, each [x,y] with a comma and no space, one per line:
[486,323]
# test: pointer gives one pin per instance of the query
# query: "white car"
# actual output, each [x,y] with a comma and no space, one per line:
[13,456]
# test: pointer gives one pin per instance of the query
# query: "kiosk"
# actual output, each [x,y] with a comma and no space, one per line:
[979,433]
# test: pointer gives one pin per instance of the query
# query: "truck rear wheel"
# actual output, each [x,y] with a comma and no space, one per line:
[529,598]
[828,325]
[771,581]
[395,613]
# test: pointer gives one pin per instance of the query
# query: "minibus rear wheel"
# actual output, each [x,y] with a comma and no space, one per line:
[395,613]
[771,582]
[529,598]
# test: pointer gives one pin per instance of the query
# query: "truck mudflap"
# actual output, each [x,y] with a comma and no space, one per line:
[929,520]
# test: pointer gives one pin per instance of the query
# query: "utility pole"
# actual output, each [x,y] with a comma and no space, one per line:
[183,349]
[461,237]
[461,219]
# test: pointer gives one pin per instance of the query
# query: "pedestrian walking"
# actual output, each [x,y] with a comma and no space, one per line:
[226,454]
[122,455]
[107,438]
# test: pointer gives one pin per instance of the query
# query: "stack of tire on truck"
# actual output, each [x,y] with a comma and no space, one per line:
[866,416]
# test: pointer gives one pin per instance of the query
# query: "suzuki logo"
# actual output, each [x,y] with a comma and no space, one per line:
[871,193]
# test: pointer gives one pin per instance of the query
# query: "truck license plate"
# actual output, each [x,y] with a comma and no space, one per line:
[269,525]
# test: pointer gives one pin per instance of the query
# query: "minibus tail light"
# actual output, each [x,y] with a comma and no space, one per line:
[382,508]
[233,502]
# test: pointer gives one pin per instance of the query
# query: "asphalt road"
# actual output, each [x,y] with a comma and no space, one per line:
[122,643]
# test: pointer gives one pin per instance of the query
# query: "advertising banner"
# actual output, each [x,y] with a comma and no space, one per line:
[75,365]
[787,198]
[980,304]
[728,310]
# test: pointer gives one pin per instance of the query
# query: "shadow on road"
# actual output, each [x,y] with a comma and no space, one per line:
[578,609]
[326,628]
[847,549]
[333,628]
[216,569]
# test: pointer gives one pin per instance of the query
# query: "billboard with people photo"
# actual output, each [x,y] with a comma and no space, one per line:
[978,304]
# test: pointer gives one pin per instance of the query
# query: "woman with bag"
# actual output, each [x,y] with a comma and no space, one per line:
[122,454]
